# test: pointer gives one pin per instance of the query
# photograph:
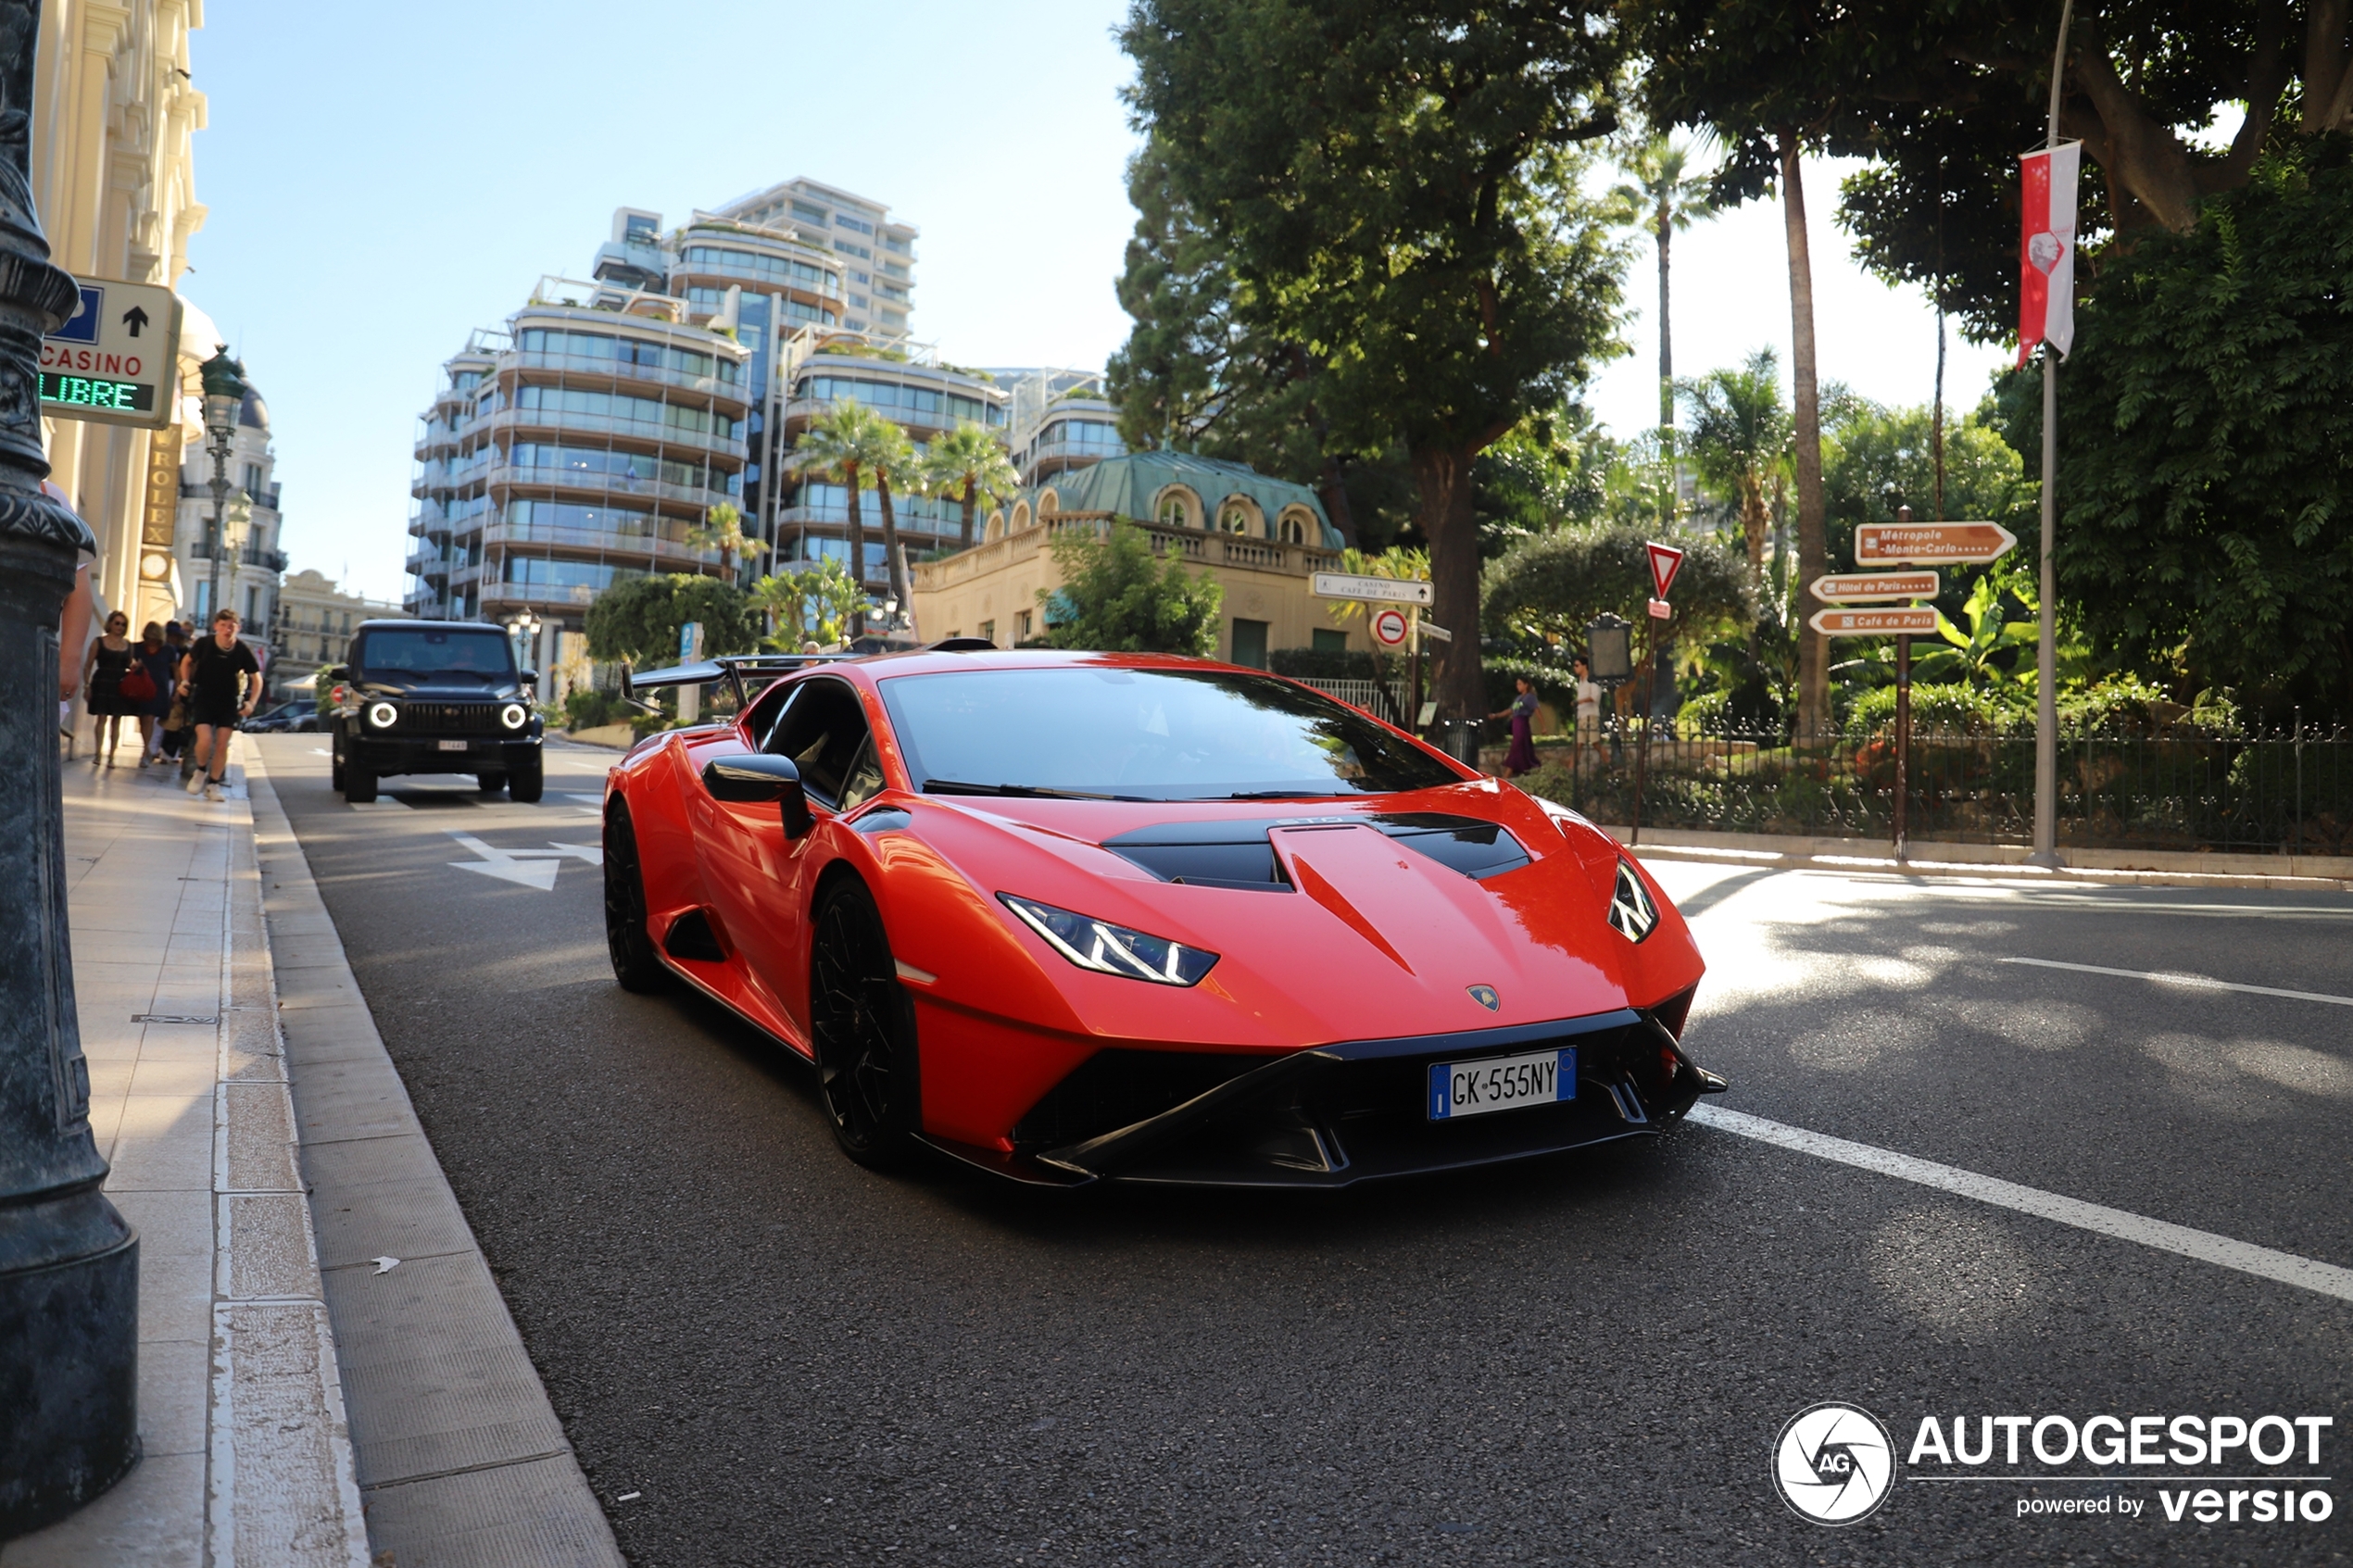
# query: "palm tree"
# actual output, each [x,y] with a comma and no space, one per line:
[1658,196]
[847,443]
[1739,439]
[723,530]
[968,463]
[894,455]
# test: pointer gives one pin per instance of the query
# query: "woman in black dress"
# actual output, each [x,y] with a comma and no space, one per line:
[102,672]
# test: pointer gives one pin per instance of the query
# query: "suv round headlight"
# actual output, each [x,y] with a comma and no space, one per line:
[514,716]
[382,715]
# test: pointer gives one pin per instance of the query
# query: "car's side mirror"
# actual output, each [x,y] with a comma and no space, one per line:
[528,677]
[755,778]
[338,672]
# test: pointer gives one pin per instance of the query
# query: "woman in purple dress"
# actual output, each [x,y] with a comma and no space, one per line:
[1522,713]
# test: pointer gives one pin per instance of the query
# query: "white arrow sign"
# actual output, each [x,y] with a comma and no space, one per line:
[1378,590]
[530,868]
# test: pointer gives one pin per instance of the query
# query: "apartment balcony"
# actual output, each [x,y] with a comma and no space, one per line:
[505,477]
[719,274]
[561,422]
[617,375]
[497,596]
[1196,546]
[652,552]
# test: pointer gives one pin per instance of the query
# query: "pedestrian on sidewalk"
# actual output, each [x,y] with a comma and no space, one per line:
[73,625]
[159,662]
[104,665]
[1521,757]
[1589,713]
[224,681]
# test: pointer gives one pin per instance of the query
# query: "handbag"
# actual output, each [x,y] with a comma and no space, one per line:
[137,685]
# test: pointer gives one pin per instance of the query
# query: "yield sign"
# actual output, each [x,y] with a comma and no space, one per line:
[1666,561]
[532,868]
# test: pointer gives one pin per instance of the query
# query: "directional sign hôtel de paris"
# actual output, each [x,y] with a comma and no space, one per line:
[117,359]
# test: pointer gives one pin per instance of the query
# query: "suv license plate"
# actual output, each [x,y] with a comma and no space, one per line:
[453,746]
[1501,1083]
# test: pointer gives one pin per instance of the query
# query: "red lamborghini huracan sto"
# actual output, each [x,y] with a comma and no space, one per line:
[1079,917]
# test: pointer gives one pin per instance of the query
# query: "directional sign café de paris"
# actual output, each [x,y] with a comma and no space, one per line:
[1375,590]
[1875,622]
[1931,544]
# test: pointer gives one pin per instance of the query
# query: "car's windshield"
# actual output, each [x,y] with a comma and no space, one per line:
[436,651]
[1154,734]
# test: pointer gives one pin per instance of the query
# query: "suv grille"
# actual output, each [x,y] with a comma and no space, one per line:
[479,717]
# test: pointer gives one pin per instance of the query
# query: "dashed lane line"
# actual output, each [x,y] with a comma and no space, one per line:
[2198,981]
[2285,1268]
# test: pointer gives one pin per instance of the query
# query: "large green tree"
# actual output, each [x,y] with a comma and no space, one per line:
[1399,190]
[638,618]
[854,446]
[966,464]
[1554,586]
[1740,441]
[1662,195]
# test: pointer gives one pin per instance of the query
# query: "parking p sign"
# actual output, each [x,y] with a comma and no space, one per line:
[115,359]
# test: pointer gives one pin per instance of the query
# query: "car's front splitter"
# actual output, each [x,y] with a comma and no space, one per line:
[1338,1114]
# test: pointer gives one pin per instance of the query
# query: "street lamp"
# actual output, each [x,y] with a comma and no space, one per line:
[69,1263]
[524,625]
[224,399]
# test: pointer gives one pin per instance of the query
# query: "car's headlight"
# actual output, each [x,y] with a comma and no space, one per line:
[382,715]
[513,716]
[1112,950]
[1630,910]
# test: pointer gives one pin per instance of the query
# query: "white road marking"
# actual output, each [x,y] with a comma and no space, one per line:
[2287,1268]
[584,799]
[2199,982]
[528,868]
[321,751]
[385,803]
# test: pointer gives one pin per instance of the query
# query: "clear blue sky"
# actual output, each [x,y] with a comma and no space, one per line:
[381,182]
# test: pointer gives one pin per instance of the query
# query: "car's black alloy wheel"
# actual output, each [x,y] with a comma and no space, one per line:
[863,1027]
[635,962]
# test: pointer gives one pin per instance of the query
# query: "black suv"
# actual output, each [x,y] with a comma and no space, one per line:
[434,696]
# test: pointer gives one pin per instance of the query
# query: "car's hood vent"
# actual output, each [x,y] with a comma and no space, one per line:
[1238,854]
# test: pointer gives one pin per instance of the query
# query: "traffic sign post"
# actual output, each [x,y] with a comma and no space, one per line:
[1931,544]
[1903,544]
[1390,628]
[1370,590]
[1666,560]
[1875,587]
[116,358]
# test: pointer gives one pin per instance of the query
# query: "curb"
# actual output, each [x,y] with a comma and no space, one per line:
[460,1459]
[1885,863]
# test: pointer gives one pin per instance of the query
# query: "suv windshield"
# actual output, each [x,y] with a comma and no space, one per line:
[1154,734]
[436,651]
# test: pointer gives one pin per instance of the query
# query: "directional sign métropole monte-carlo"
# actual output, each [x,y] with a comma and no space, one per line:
[1931,544]
[116,358]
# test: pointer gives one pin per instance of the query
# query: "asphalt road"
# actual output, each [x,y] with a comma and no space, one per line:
[790,1360]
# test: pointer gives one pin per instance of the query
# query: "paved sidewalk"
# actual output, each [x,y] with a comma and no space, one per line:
[246,1460]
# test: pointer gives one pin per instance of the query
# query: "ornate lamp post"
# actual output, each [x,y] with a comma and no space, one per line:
[69,1263]
[224,399]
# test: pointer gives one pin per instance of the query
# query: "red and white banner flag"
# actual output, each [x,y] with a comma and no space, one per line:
[2047,250]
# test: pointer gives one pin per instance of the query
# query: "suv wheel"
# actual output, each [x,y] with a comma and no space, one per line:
[525,781]
[490,783]
[358,785]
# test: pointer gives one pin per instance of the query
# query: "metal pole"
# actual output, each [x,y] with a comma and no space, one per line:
[2046,641]
[69,1263]
[1902,735]
[1414,652]
[1642,744]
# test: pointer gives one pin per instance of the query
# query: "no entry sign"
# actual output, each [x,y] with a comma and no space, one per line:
[1931,544]
[1875,622]
[1389,627]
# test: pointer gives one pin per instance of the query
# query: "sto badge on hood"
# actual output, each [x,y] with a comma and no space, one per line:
[1485,996]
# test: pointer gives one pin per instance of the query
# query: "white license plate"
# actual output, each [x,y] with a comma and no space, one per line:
[453,746]
[1501,1083]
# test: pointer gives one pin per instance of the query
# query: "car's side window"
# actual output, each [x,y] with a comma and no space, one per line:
[825,733]
[865,780]
[766,710]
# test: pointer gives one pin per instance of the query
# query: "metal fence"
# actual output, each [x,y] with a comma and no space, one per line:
[1367,694]
[2285,793]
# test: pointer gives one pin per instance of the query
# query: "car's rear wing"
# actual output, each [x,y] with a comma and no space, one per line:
[731,667]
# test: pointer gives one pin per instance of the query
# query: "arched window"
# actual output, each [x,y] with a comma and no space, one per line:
[1179,508]
[1048,501]
[1234,518]
[1291,527]
[996,528]
[1021,516]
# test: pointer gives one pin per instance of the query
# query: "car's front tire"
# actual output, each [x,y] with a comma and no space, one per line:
[526,781]
[862,1027]
[490,783]
[358,784]
[635,963]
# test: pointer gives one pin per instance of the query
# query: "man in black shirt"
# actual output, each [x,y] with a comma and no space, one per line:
[216,674]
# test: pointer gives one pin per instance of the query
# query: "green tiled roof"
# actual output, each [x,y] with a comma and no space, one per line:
[1127,485]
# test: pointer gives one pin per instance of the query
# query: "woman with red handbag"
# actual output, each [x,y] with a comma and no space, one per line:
[149,686]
